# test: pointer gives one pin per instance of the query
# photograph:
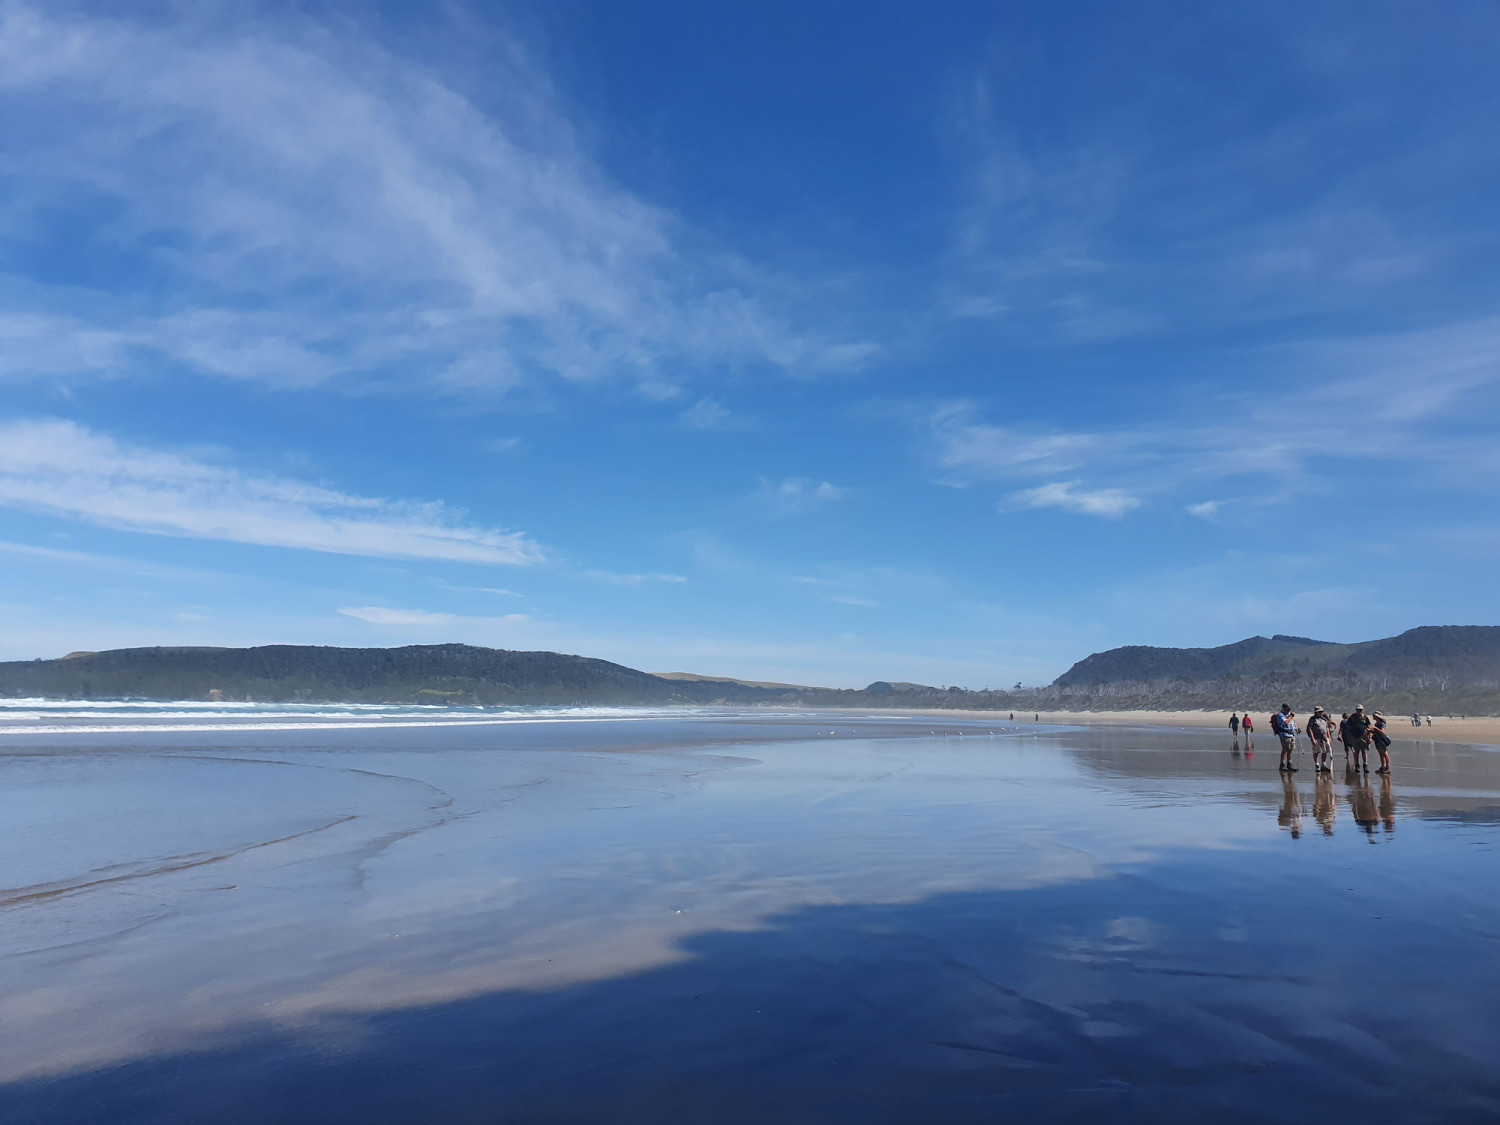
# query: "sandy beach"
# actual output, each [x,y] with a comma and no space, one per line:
[1480,730]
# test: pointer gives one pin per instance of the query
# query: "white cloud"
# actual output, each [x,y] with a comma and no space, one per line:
[1205,509]
[476,589]
[384,615]
[1110,503]
[311,207]
[108,563]
[796,496]
[973,450]
[706,414]
[613,579]
[62,469]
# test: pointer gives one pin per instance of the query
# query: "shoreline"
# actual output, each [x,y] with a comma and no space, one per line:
[1483,730]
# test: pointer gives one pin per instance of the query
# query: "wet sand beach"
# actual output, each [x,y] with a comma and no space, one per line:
[375,916]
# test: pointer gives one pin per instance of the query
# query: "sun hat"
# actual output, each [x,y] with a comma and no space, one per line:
[1360,707]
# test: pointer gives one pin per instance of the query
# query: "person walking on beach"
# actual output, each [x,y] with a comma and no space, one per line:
[1285,730]
[1234,725]
[1321,737]
[1247,726]
[1359,738]
[1382,743]
[1344,737]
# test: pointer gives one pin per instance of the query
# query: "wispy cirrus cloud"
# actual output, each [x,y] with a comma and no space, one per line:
[386,615]
[1425,397]
[314,208]
[970,449]
[62,469]
[797,496]
[611,578]
[1069,496]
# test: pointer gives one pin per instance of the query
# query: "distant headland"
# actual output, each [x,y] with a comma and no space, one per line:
[1448,669]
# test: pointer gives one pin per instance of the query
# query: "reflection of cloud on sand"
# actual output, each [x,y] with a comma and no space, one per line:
[551,870]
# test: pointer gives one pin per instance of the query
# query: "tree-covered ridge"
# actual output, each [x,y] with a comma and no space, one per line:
[451,673]
[1443,670]
[1448,654]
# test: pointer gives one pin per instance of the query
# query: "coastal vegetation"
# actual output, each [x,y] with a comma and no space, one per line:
[1439,670]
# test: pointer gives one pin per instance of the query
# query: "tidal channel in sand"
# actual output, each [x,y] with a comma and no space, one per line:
[382,915]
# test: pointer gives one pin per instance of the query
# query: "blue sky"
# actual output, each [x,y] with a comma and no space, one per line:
[809,342]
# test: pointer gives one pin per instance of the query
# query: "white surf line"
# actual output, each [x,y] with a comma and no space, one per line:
[395,725]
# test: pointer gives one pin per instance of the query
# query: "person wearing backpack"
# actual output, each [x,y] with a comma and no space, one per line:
[1285,730]
[1359,737]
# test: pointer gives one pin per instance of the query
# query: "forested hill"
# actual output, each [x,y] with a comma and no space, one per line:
[1458,654]
[1445,669]
[415,674]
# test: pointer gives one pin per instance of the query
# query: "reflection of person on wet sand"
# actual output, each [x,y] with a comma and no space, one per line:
[1290,815]
[1387,804]
[1325,803]
[1362,802]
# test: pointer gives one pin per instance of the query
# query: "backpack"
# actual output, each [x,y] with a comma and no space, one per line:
[1278,723]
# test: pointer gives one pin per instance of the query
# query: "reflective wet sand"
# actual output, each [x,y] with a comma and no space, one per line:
[737,918]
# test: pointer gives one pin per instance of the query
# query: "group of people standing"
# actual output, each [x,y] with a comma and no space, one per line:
[1355,730]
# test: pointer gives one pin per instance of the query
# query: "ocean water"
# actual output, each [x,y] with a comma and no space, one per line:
[242,913]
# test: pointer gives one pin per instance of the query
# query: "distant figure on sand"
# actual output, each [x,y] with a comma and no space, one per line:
[1285,730]
[1247,726]
[1321,737]
[1234,724]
